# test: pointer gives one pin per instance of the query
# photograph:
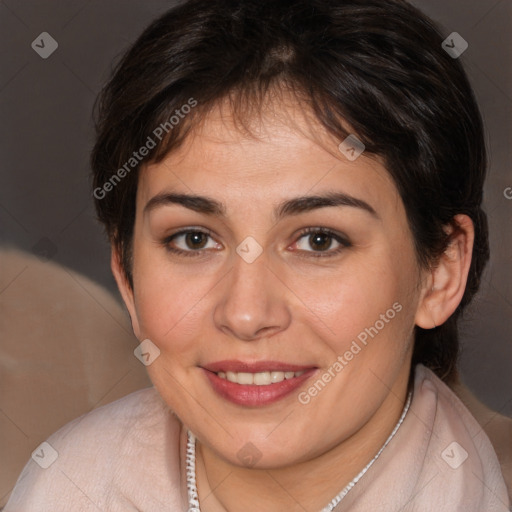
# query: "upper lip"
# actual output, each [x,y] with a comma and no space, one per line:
[254,367]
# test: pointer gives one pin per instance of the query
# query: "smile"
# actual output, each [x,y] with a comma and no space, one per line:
[255,384]
[260,378]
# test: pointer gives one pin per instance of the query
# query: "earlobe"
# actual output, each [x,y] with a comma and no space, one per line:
[445,287]
[124,288]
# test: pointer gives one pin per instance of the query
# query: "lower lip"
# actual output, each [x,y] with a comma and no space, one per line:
[252,395]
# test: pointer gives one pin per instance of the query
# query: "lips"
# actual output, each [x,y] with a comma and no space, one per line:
[255,384]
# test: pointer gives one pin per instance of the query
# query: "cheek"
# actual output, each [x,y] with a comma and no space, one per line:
[371,300]
[356,294]
[169,305]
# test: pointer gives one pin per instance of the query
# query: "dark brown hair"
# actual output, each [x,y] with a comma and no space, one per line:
[377,65]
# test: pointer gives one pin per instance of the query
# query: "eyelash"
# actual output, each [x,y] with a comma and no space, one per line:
[344,243]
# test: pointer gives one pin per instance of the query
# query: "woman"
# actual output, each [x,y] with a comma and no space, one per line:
[292,191]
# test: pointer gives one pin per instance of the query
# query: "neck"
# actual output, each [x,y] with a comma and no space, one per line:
[310,485]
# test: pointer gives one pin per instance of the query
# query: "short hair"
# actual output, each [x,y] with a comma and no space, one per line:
[376,65]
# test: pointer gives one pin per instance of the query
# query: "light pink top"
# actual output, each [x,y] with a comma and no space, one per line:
[125,457]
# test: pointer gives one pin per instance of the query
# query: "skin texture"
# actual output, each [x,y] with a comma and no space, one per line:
[287,305]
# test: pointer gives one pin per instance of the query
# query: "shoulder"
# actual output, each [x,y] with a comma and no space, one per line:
[458,442]
[138,417]
[446,397]
[95,460]
[447,402]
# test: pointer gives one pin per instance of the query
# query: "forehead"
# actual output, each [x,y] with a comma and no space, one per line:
[281,152]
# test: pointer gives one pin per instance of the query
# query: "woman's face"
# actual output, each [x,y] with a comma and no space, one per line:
[252,293]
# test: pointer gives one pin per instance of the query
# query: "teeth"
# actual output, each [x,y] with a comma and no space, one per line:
[258,379]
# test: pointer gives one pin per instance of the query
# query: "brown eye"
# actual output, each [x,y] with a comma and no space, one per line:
[321,240]
[189,243]
[196,240]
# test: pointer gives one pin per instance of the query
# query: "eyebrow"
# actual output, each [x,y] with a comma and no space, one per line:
[295,206]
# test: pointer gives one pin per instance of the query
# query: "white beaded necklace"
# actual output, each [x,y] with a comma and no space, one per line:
[193,497]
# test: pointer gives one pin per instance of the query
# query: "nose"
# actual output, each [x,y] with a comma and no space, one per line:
[253,302]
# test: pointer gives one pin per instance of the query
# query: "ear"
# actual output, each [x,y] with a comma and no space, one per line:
[124,288]
[444,288]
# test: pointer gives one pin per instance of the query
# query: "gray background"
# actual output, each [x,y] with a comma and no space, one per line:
[46,135]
